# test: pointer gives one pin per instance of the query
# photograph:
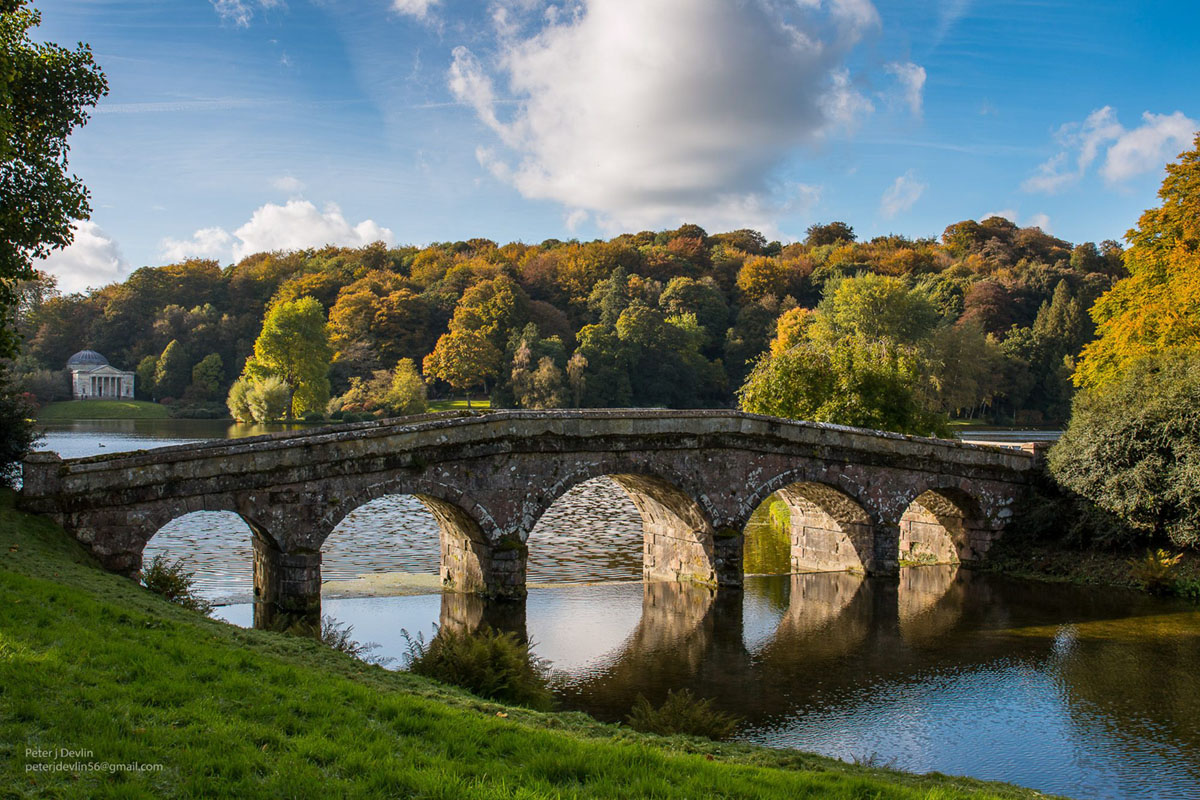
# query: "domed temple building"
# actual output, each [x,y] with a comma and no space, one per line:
[93,378]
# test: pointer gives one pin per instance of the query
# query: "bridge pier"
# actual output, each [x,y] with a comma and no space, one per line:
[287,588]
[495,571]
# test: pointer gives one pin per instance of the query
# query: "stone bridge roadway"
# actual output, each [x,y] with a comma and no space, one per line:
[858,498]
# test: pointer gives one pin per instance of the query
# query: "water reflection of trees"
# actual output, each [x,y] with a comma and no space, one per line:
[840,637]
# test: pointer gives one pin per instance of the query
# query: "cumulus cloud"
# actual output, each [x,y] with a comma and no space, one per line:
[91,260]
[645,112]
[204,243]
[911,78]
[241,12]
[1127,153]
[1159,139]
[414,8]
[902,195]
[295,225]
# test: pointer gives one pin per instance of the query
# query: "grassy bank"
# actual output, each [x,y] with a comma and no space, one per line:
[91,662]
[71,410]
[1059,563]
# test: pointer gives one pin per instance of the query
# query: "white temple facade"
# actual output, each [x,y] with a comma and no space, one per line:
[93,378]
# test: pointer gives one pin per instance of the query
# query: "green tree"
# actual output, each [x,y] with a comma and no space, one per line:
[207,376]
[147,368]
[407,393]
[1133,448]
[171,372]
[45,91]
[875,307]
[829,233]
[876,385]
[294,347]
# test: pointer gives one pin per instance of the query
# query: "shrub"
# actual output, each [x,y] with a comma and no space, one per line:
[313,416]
[1155,570]
[1133,448]
[682,712]
[175,582]
[267,399]
[1188,589]
[492,664]
[238,402]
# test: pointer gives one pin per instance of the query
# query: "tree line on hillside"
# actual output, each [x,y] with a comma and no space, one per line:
[983,323]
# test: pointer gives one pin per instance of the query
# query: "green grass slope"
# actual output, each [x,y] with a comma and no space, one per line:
[89,661]
[69,410]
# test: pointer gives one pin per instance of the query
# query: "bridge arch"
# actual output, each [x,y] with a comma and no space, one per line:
[472,557]
[830,529]
[678,538]
[942,524]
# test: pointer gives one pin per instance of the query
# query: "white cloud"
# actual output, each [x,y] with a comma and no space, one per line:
[295,225]
[911,78]
[289,184]
[1127,153]
[414,8]
[91,260]
[902,195]
[240,12]
[205,243]
[1159,139]
[645,112]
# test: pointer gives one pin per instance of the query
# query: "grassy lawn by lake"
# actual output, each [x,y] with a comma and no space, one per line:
[70,410]
[455,405]
[90,661]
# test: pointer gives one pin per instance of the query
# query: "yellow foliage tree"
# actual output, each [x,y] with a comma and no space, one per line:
[1157,308]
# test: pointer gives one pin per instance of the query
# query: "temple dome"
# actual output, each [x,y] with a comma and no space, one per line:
[86,358]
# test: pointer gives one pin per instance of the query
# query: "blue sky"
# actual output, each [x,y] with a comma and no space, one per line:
[239,125]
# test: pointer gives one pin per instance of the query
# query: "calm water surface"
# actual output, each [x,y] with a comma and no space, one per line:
[1070,690]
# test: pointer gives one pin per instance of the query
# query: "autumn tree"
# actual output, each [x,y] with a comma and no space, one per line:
[294,347]
[464,358]
[1155,310]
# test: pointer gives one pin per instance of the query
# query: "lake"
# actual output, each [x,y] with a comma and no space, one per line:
[1072,690]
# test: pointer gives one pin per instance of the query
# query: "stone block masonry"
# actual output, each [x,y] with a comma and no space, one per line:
[487,477]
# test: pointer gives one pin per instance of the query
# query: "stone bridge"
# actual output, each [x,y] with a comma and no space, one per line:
[859,500]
